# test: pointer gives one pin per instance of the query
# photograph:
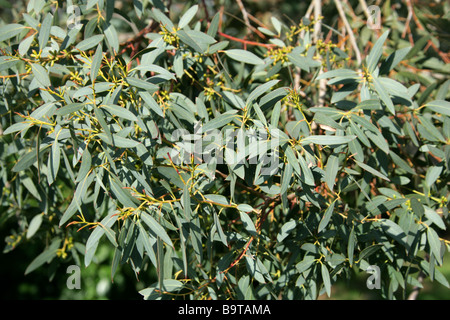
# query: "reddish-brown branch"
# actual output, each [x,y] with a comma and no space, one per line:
[246,42]
[444,56]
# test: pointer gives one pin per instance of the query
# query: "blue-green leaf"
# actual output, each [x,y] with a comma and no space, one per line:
[156,228]
[10,30]
[376,52]
[41,74]
[187,16]
[244,56]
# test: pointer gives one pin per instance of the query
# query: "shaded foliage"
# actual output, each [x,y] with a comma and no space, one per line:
[250,161]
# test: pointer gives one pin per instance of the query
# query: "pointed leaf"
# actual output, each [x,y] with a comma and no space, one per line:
[376,52]
[41,74]
[187,16]
[156,228]
[326,217]
[244,56]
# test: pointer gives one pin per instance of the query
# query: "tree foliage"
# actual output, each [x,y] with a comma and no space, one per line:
[258,161]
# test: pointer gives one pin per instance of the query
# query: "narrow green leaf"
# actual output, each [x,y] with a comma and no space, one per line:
[292,159]
[111,36]
[156,228]
[25,45]
[96,235]
[378,140]
[147,243]
[326,217]
[54,161]
[41,74]
[34,225]
[253,268]
[244,56]
[142,84]
[384,96]
[69,212]
[121,193]
[214,25]
[305,264]
[219,229]
[394,231]
[286,179]
[372,170]
[44,31]
[110,234]
[326,279]
[162,18]
[28,159]
[10,30]
[118,141]
[89,42]
[115,110]
[351,246]
[394,59]
[435,244]
[187,16]
[355,129]
[70,108]
[248,223]
[328,139]
[259,90]
[19,126]
[346,73]
[81,190]
[433,173]
[185,38]
[100,116]
[96,62]
[220,120]
[46,256]
[432,215]
[245,208]
[85,167]
[439,106]
[307,175]
[368,251]
[171,285]
[151,103]
[286,229]
[376,52]
[331,171]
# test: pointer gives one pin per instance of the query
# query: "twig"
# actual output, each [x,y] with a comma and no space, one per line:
[365,8]
[245,15]
[349,30]
[318,22]
[415,291]
[421,27]
[253,43]
[205,9]
[255,20]
[259,33]
[317,32]
[408,20]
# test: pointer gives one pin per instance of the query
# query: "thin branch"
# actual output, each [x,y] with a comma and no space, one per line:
[444,56]
[318,21]
[317,32]
[205,9]
[253,43]
[245,15]
[415,291]
[349,30]
[365,8]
